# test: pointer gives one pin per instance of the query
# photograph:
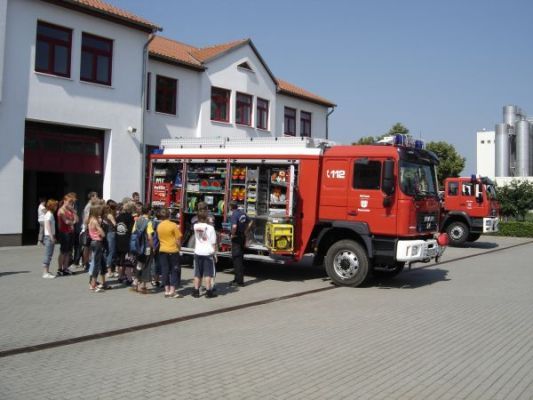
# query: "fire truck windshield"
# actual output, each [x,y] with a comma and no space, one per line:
[491,192]
[418,179]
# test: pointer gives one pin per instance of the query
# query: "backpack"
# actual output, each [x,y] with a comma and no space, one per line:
[138,237]
[155,236]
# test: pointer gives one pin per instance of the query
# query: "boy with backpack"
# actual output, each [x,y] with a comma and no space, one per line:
[141,246]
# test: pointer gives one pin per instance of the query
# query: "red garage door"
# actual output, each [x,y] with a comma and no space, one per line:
[55,148]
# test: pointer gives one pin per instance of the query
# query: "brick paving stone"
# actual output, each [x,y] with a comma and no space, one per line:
[455,331]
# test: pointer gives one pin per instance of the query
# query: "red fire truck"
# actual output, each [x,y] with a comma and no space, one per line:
[469,209]
[358,210]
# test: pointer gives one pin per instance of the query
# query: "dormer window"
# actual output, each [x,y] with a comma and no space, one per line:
[245,66]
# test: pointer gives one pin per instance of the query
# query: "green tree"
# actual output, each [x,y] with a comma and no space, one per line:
[450,161]
[365,140]
[516,199]
[396,128]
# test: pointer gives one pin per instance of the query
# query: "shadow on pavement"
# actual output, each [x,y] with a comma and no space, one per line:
[412,279]
[482,245]
[13,273]
[284,273]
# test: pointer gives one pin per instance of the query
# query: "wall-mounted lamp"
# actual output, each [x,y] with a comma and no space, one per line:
[131,129]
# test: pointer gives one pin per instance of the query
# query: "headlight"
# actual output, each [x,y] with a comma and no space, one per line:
[415,250]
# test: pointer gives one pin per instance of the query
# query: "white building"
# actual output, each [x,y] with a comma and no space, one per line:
[485,153]
[235,76]
[73,99]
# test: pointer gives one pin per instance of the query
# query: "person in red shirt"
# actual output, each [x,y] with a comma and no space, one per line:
[66,218]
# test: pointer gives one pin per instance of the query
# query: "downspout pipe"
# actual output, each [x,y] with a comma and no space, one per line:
[143,110]
[327,121]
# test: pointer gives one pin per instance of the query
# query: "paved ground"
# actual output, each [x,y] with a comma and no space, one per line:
[458,330]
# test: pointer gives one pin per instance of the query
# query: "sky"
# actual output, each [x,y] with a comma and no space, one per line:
[444,69]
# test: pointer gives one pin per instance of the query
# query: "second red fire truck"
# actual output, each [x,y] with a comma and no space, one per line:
[469,209]
[359,210]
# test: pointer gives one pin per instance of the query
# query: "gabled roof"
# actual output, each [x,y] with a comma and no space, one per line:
[209,53]
[99,8]
[174,52]
[292,90]
[180,53]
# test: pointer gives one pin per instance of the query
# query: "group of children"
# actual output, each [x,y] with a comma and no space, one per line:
[127,241]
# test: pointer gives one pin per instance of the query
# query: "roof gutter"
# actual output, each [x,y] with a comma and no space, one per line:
[327,121]
[143,107]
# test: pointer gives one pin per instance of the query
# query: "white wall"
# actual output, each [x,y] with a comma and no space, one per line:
[193,117]
[31,95]
[223,72]
[318,115]
[185,123]
[486,153]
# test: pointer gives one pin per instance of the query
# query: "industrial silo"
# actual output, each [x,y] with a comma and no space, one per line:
[502,150]
[522,148]
[509,115]
[530,149]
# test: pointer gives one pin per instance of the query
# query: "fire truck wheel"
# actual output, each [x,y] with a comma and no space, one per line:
[458,233]
[347,263]
[473,237]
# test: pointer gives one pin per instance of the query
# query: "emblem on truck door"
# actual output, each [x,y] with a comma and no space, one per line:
[336,173]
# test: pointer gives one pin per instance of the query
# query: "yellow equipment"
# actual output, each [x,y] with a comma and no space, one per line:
[279,237]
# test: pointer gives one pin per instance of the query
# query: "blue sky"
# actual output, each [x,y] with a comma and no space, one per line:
[442,68]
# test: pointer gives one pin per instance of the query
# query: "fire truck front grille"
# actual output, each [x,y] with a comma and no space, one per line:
[426,222]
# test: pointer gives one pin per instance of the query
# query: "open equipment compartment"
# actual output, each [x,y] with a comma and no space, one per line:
[166,185]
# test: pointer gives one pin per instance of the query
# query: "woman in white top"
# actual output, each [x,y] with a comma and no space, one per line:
[205,245]
[49,238]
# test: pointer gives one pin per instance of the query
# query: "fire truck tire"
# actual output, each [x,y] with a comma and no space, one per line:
[347,263]
[458,233]
[473,237]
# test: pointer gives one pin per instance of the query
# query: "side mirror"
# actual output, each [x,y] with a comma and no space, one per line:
[388,177]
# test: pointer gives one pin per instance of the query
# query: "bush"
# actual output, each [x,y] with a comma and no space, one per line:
[516,228]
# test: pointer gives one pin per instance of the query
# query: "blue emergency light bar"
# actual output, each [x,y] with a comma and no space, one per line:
[403,141]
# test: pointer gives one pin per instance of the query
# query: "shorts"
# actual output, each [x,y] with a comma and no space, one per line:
[204,266]
[65,242]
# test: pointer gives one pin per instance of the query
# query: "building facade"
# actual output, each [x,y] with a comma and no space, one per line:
[485,153]
[86,89]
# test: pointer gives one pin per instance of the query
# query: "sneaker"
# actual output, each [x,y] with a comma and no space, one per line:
[48,275]
[66,272]
[196,293]
[209,294]
[176,296]
[98,289]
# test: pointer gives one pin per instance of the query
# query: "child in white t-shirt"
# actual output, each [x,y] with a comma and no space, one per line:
[204,253]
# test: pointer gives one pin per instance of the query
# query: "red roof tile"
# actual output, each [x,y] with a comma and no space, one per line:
[196,57]
[207,53]
[293,90]
[106,9]
[174,51]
